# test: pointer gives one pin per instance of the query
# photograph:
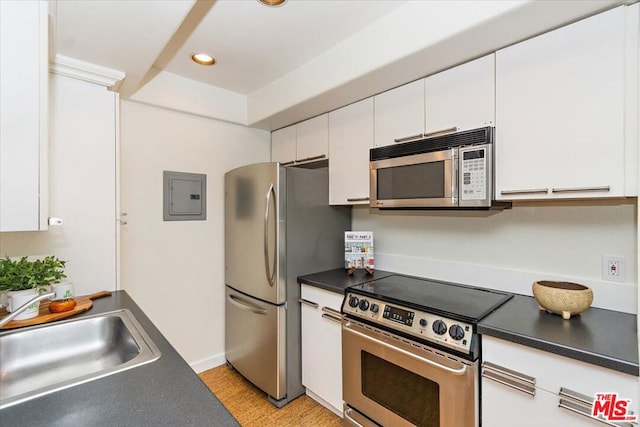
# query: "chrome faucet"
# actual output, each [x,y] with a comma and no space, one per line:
[23,307]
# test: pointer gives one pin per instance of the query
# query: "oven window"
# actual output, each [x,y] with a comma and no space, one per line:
[412,397]
[421,181]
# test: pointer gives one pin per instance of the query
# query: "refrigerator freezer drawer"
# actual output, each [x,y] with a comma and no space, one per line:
[255,341]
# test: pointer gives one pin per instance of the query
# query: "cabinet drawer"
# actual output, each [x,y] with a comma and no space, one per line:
[502,406]
[322,297]
[552,372]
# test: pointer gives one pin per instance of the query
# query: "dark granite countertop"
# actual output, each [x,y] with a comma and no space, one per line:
[165,392]
[602,337]
[337,280]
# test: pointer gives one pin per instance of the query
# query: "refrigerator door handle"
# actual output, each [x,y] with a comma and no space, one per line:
[246,305]
[271,275]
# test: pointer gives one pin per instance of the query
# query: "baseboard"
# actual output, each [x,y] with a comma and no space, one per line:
[208,363]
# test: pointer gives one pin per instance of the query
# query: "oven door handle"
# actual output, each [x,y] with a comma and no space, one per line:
[460,371]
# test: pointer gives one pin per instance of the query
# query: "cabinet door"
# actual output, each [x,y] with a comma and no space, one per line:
[560,112]
[322,346]
[552,373]
[505,406]
[462,97]
[350,139]
[283,145]
[399,114]
[312,139]
[23,105]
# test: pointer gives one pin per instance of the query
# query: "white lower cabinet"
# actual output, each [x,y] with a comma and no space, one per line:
[526,387]
[322,346]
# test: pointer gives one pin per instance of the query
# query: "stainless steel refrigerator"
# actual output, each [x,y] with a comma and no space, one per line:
[278,225]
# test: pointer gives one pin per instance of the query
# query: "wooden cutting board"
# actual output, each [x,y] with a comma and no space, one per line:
[83,303]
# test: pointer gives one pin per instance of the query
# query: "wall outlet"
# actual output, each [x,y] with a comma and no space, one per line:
[613,268]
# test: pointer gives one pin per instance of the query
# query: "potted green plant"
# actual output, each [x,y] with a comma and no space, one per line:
[23,279]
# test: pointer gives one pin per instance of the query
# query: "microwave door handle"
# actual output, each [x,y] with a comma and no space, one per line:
[460,371]
[270,274]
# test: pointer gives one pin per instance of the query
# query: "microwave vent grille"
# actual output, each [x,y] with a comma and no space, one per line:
[459,139]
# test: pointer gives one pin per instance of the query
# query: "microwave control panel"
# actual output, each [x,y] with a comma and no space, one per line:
[473,173]
[441,330]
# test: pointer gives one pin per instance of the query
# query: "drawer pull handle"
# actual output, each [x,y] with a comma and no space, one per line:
[531,391]
[330,310]
[528,191]
[357,199]
[332,318]
[408,138]
[605,189]
[582,405]
[309,303]
[441,132]
[517,376]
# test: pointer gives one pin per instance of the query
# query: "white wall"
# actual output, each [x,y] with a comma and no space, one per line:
[510,249]
[175,270]
[82,182]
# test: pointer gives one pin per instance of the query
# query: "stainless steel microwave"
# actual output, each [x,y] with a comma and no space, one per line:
[452,171]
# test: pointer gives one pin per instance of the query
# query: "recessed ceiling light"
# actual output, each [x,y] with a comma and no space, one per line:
[203,59]
[272,3]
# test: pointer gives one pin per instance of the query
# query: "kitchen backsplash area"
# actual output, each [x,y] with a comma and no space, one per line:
[510,249]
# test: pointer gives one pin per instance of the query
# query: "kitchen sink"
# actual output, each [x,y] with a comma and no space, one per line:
[43,359]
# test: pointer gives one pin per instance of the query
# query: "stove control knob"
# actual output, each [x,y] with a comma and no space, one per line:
[456,332]
[439,327]
[364,305]
[423,322]
[353,301]
[375,308]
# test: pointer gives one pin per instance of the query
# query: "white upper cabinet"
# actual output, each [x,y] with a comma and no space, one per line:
[350,139]
[560,112]
[312,139]
[283,145]
[462,97]
[399,114]
[24,61]
[304,142]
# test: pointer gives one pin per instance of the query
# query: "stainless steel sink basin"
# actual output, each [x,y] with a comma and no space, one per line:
[42,359]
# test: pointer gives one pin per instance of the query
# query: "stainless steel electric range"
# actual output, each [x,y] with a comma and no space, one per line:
[410,352]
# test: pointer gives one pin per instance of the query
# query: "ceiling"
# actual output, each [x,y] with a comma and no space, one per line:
[253,44]
[300,59]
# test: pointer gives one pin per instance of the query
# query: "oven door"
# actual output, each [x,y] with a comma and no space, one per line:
[397,382]
[420,180]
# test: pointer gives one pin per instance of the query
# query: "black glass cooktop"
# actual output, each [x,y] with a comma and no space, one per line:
[450,299]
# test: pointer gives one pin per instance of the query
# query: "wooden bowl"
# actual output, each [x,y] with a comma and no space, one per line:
[564,298]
